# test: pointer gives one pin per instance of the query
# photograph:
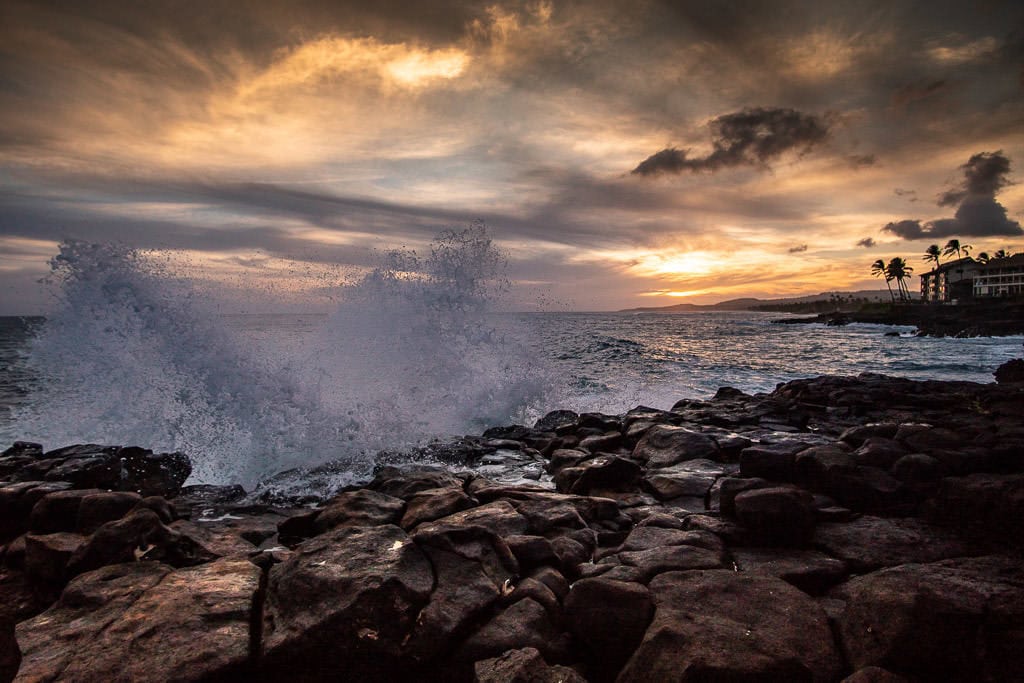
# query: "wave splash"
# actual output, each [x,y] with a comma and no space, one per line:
[135,355]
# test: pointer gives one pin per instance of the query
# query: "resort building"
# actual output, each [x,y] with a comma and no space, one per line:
[950,281]
[999,277]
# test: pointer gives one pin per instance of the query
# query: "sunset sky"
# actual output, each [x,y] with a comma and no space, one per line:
[631,153]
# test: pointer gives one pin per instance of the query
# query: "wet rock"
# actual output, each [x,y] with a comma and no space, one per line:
[10,653]
[989,506]
[499,517]
[955,620]
[47,556]
[57,511]
[605,473]
[359,508]
[1010,372]
[724,625]
[772,461]
[604,443]
[97,509]
[523,624]
[555,419]
[431,504]
[139,535]
[879,452]
[532,551]
[777,516]
[870,543]
[160,506]
[405,482]
[471,567]
[214,540]
[664,445]
[25,449]
[525,665]
[342,605]
[810,571]
[608,618]
[145,622]
[692,478]
[119,468]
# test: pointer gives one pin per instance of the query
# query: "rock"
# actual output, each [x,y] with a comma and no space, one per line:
[431,504]
[97,509]
[214,540]
[955,620]
[524,665]
[879,452]
[605,473]
[923,439]
[810,571]
[868,489]
[119,468]
[342,605]
[523,624]
[917,468]
[471,567]
[555,419]
[859,434]
[730,487]
[874,674]
[648,537]
[571,554]
[989,506]
[664,445]
[57,511]
[499,516]
[724,625]
[10,653]
[139,535]
[27,449]
[608,618]
[17,501]
[405,482]
[870,543]
[47,556]
[532,552]
[604,443]
[772,461]
[777,516]
[359,508]
[537,591]
[144,622]
[1010,372]
[689,478]
[649,563]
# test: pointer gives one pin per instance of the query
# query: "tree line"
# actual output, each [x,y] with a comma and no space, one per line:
[897,270]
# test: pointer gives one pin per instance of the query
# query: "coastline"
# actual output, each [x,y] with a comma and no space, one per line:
[976,319]
[783,534]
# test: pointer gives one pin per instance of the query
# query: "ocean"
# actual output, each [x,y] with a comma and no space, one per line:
[415,350]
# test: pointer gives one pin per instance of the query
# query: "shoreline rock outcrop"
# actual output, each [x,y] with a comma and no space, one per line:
[838,528]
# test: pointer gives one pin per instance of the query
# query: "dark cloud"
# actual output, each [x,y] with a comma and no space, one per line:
[984,175]
[867,242]
[798,249]
[751,137]
[978,214]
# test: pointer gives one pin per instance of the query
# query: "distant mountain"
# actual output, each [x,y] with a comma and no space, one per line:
[750,304]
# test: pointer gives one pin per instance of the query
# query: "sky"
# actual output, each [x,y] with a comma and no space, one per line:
[622,154]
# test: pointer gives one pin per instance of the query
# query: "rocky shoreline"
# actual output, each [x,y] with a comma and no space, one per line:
[837,529]
[997,318]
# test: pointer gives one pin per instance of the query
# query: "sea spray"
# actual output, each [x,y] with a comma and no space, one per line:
[133,355]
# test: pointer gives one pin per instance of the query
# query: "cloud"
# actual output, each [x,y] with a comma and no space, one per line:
[915,92]
[798,249]
[750,137]
[911,195]
[867,242]
[984,175]
[978,214]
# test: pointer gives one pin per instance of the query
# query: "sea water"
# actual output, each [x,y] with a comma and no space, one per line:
[414,351]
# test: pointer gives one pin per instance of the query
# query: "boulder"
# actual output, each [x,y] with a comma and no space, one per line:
[47,556]
[532,552]
[772,461]
[1010,372]
[119,468]
[989,506]
[404,482]
[145,622]
[725,625]
[870,543]
[57,511]
[499,516]
[692,478]
[10,653]
[341,606]
[431,504]
[606,473]
[608,619]
[359,508]
[525,665]
[915,469]
[777,516]
[730,487]
[954,620]
[97,509]
[139,535]
[879,452]
[810,571]
[524,624]
[555,419]
[664,445]
[874,674]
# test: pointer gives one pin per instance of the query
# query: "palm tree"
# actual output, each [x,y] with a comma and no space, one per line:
[898,270]
[878,270]
[1000,253]
[932,253]
[983,257]
[954,247]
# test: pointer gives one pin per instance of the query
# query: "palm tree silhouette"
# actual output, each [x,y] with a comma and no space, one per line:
[932,253]
[898,270]
[954,247]
[878,270]
[983,257]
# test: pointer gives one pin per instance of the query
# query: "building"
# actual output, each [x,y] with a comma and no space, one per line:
[949,282]
[1000,277]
